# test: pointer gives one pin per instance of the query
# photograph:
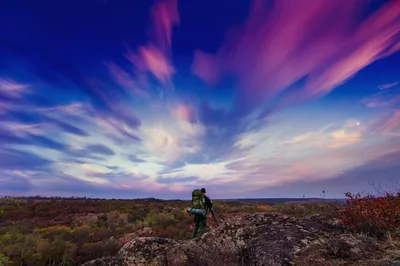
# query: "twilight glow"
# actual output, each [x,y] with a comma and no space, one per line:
[262,98]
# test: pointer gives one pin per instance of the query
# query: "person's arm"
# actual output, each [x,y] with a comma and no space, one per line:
[208,203]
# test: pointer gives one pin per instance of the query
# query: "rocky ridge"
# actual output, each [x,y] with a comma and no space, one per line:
[260,239]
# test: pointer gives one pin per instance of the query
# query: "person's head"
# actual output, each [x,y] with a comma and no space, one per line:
[203,190]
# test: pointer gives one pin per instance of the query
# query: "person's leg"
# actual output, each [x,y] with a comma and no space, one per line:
[196,226]
[202,224]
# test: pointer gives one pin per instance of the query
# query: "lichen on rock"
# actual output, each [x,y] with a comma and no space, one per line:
[253,239]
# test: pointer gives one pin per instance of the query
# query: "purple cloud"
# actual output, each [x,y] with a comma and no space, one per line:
[282,43]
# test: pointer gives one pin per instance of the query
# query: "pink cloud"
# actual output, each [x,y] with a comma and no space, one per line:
[157,63]
[125,80]
[155,56]
[391,123]
[23,130]
[165,15]
[324,42]
[183,112]
[12,89]
[152,59]
[381,101]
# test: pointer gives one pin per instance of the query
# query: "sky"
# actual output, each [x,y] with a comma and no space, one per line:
[262,98]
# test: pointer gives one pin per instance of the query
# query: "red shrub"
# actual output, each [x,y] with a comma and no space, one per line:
[372,214]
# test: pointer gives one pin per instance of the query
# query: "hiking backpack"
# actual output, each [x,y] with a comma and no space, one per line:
[198,200]
[198,203]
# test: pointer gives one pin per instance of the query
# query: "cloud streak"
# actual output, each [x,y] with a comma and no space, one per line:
[389,85]
[12,89]
[294,41]
[155,57]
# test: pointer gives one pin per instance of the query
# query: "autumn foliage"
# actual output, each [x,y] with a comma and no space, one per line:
[71,231]
[372,214]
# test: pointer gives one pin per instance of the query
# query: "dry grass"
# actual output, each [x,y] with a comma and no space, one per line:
[304,209]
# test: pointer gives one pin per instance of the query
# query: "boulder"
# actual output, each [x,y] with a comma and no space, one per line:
[253,239]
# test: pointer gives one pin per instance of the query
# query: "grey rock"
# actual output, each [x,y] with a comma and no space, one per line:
[251,239]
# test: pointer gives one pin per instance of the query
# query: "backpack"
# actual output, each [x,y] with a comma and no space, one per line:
[198,200]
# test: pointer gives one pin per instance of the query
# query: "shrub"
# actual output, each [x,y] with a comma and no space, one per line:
[160,220]
[116,219]
[52,232]
[138,225]
[370,214]
[109,248]
[90,251]
[102,221]
[11,237]
[133,216]
[36,250]
[62,253]
[82,232]
[42,245]
[4,260]
[178,214]
[263,208]
[102,234]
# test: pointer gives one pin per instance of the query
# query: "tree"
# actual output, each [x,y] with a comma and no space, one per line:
[4,260]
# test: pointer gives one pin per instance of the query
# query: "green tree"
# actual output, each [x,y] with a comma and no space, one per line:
[102,221]
[4,260]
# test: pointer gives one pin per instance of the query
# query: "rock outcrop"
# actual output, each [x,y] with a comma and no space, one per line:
[256,239]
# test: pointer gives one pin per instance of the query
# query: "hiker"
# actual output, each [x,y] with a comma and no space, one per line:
[200,220]
[208,203]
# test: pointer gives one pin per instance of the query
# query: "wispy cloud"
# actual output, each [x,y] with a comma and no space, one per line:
[155,56]
[157,63]
[389,85]
[12,89]
[20,129]
[165,15]
[126,81]
[384,99]
[99,149]
[389,124]
[279,46]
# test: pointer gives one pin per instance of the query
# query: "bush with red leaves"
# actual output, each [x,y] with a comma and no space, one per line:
[372,214]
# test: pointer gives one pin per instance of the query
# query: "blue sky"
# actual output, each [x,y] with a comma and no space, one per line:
[126,99]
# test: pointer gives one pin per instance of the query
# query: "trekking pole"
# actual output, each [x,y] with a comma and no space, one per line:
[212,213]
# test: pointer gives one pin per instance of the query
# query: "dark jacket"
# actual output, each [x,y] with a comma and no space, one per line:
[208,203]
